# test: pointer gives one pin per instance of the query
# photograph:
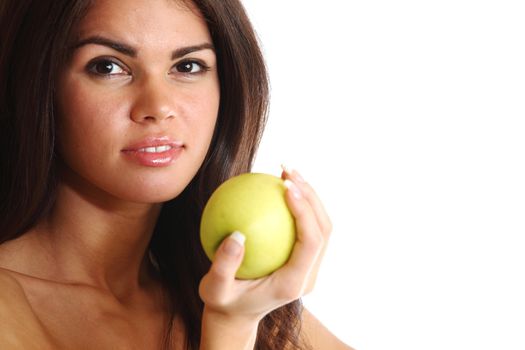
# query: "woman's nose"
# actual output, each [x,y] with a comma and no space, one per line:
[154,102]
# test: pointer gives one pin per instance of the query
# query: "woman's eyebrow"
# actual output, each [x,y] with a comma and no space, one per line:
[132,52]
[183,51]
[100,40]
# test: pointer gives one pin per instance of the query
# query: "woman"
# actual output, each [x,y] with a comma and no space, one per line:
[118,119]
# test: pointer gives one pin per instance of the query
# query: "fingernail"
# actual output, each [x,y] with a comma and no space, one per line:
[292,187]
[234,246]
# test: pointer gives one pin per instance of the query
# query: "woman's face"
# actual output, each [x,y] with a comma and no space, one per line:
[138,100]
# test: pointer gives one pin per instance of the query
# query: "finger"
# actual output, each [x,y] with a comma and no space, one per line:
[315,270]
[309,193]
[295,274]
[228,257]
[321,214]
[324,223]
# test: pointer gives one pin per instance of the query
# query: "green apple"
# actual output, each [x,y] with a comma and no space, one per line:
[253,204]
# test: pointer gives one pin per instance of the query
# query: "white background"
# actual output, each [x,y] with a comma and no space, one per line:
[408,118]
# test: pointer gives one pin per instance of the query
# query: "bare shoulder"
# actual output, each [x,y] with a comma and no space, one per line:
[20,329]
[318,335]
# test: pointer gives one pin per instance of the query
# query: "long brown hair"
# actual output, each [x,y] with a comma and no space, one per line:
[34,37]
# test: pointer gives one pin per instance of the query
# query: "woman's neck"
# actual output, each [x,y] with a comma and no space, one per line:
[96,241]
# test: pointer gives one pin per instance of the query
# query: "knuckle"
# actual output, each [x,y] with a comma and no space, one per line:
[309,289]
[305,216]
[210,295]
[306,187]
[299,210]
[289,292]
[328,227]
[315,241]
[221,269]
[219,272]
[204,290]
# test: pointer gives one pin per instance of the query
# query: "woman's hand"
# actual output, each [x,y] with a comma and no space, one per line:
[233,308]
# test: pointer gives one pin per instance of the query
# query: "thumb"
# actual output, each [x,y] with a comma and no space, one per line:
[227,260]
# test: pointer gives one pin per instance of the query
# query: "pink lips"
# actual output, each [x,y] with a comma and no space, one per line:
[154,151]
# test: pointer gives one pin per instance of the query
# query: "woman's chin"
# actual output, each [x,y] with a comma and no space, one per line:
[151,196]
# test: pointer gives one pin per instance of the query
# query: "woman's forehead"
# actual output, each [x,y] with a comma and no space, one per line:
[143,22]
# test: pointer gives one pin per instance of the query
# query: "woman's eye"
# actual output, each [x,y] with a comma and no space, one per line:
[190,67]
[105,67]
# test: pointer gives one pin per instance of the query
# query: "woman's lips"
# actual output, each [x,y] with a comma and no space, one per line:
[154,151]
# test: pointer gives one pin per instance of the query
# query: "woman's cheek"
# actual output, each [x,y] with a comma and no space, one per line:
[90,129]
[203,112]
